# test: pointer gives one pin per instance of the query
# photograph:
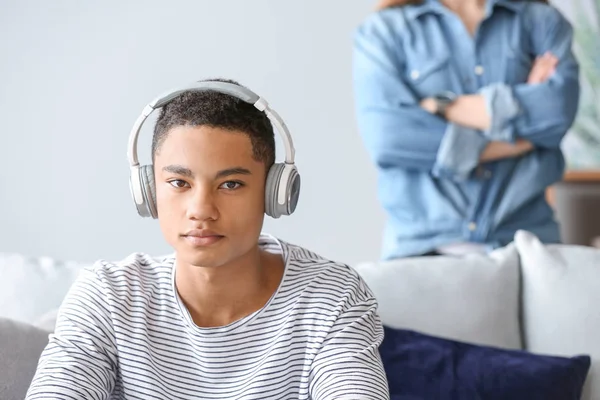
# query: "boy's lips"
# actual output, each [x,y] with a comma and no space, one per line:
[202,237]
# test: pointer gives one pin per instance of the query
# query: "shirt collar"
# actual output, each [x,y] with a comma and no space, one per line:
[434,6]
[511,5]
[427,7]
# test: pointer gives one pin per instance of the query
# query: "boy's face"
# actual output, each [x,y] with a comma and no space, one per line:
[210,194]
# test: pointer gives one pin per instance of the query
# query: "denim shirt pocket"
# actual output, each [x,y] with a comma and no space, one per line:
[519,65]
[518,54]
[428,75]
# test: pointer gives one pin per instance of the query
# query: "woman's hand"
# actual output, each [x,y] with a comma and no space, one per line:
[500,150]
[543,68]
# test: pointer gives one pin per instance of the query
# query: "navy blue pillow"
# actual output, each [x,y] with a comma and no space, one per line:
[424,367]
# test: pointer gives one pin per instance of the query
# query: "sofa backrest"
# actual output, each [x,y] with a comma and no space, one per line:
[473,298]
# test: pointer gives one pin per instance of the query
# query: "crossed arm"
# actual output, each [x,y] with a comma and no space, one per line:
[471,111]
[500,121]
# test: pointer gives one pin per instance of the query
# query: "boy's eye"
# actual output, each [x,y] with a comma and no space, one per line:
[231,185]
[178,183]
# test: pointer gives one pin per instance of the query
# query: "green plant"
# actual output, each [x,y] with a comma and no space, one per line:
[587,50]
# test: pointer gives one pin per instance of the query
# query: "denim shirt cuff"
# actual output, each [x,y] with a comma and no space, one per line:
[502,107]
[459,153]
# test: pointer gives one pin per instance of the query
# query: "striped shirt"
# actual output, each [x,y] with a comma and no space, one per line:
[123,333]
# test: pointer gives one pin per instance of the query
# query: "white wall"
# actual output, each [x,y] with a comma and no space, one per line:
[74,75]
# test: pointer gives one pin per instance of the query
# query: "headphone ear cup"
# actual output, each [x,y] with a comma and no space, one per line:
[290,180]
[272,189]
[293,191]
[149,189]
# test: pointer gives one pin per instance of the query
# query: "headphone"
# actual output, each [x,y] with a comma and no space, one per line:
[283,181]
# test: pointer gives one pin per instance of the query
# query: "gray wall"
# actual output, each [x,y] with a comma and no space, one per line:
[74,75]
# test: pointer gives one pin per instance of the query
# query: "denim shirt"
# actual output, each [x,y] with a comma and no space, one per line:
[431,183]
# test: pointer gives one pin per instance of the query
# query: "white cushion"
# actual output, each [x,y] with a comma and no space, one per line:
[32,288]
[561,301]
[474,298]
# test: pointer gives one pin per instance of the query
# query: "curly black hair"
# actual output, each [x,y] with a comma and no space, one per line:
[217,110]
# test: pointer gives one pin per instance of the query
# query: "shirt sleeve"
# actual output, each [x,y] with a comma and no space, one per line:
[541,113]
[348,365]
[80,360]
[396,131]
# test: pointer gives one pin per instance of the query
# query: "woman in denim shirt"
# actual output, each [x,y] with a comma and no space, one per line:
[462,105]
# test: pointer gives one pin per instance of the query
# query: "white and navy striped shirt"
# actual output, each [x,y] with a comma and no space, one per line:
[123,333]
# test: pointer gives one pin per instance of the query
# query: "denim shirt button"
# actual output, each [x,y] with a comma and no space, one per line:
[414,74]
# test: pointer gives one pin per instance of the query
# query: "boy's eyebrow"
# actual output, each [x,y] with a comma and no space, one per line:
[233,171]
[184,171]
[179,170]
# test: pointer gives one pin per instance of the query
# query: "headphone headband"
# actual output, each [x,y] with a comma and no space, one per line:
[231,89]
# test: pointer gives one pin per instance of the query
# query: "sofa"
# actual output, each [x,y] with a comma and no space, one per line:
[527,296]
